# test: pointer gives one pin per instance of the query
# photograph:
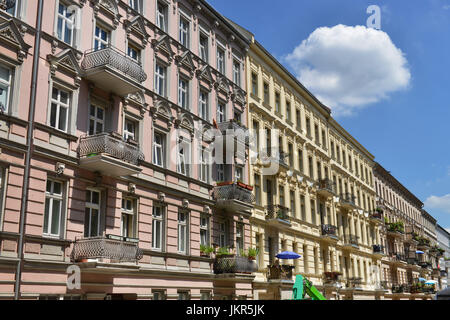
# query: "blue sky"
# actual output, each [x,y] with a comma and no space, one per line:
[407,129]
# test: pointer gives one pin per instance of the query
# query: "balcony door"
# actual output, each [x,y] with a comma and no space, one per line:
[269,192]
[102,38]
[96,120]
[92,214]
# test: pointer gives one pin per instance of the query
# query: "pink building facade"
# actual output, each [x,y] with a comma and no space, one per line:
[121,184]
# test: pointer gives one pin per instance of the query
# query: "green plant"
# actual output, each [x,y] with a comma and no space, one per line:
[206,249]
[252,253]
[223,251]
[243,253]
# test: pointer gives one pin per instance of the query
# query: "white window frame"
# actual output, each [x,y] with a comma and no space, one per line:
[237,72]
[221,114]
[127,134]
[96,120]
[203,51]
[98,40]
[163,25]
[220,60]
[160,219]
[52,197]
[67,24]
[91,207]
[183,157]
[204,230]
[15,9]
[204,165]
[60,105]
[221,172]
[183,93]
[128,212]
[161,78]
[5,88]
[184,31]
[134,53]
[159,149]
[135,5]
[183,232]
[203,105]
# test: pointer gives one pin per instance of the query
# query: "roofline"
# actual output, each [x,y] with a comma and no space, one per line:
[442,229]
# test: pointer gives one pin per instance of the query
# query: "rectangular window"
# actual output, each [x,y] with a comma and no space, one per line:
[222,234]
[266,93]
[182,232]
[5,88]
[291,154]
[254,84]
[183,158]
[101,38]
[183,93]
[281,195]
[221,113]
[311,168]
[300,161]
[158,228]
[313,212]
[308,127]
[135,4]
[96,120]
[288,111]
[130,130]
[184,32]
[160,80]
[161,16]
[158,149]
[237,72]
[204,230]
[220,173]
[204,48]
[204,165]
[258,189]
[302,207]
[203,105]
[239,238]
[292,200]
[53,208]
[298,118]
[92,214]
[59,113]
[221,60]
[324,140]
[65,24]
[159,295]
[184,295]
[13,8]
[277,103]
[205,295]
[134,53]
[128,218]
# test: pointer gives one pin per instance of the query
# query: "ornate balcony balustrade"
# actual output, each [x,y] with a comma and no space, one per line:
[378,249]
[354,282]
[106,248]
[351,240]
[398,257]
[348,200]
[329,230]
[231,196]
[233,264]
[326,187]
[376,215]
[277,212]
[331,277]
[111,69]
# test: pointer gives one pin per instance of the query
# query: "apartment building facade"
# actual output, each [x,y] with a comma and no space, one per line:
[119,183]
[313,187]
[409,239]
[443,238]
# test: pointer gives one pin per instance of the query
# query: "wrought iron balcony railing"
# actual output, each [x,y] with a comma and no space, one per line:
[111,144]
[105,248]
[378,249]
[274,211]
[352,240]
[329,230]
[116,59]
[283,272]
[228,264]
[398,257]
[328,185]
[234,192]
[348,198]
[331,277]
[354,282]
[377,215]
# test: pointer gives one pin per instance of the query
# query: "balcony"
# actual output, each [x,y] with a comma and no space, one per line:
[398,258]
[329,233]
[109,154]
[395,229]
[423,243]
[279,159]
[278,215]
[326,188]
[351,241]
[106,249]
[354,283]
[283,272]
[376,216]
[112,70]
[378,250]
[233,265]
[331,278]
[234,197]
[348,201]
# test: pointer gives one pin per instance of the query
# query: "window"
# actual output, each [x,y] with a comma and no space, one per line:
[221,60]
[256,135]
[204,165]
[324,140]
[308,127]
[183,158]
[5,88]
[134,53]
[135,4]
[53,208]
[159,295]
[205,295]
[291,154]
[130,130]
[254,84]
[183,295]
[183,93]
[313,212]
[292,200]
[298,118]
[128,218]
[221,113]
[184,32]
[222,234]
[258,189]
[96,120]
[59,112]
[288,111]
[65,24]
[92,214]
[266,93]
[158,228]
[160,80]
[158,149]
[220,172]
[237,72]
[239,238]
[238,174]
[13,8]
[182,232]
[204,46]
[101,38]
[203,105]
[316,134]
[281,192]
[161,16]
[302,207]
[311,168]
[300,161]
[277,102]
[204,230]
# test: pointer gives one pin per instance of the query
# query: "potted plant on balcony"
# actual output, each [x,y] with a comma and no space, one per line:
[205,251]
[379,210]
[241,184]
[223,252]
[252,253]
[224,183]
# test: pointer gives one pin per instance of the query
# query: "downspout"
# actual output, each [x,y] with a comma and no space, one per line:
[31,114]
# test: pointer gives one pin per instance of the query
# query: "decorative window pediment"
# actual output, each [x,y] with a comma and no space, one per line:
[186,61]
[109,7]
[205,75]
[185,121]
[11,36]
[161,109]
[66,61]
[222,85]
[138,100]
[163,45]
[238,95]
[138,26]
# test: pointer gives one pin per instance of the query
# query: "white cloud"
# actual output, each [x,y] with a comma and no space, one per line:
[441,203]
[348,68]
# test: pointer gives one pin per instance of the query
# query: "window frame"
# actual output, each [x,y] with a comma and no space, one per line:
[96,119]
[160,78]
[220,59]
[93,206]
[65,25]
[8,85]
[129,212]
[98,39]
[183,232]
[60,105]
[164,15]
[162,222]
[49,215]
[184,91]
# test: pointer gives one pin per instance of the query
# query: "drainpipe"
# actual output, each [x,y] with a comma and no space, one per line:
[31,113]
